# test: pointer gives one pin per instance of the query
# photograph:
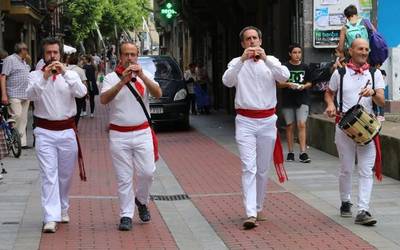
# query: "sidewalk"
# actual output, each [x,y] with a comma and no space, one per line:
[203,164]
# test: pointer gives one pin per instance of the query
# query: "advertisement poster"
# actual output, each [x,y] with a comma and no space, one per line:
[329,19]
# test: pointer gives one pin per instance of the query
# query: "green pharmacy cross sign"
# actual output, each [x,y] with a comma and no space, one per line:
[168,11]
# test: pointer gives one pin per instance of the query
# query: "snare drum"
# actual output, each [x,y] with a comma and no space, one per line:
[359,125]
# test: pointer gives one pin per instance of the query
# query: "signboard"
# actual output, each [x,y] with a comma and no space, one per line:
[329,19]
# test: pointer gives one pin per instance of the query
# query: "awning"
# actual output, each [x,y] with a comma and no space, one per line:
[69,49]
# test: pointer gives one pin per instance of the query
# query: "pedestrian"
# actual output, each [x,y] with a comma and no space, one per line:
[53,90]
[14,81]
[93,90]
[354,85]
[355,27]
[380,112]
[131,138]
[190,78]
[3,145]
[254,75]
[80,102]
[201,89]
[296,101]
[3,55]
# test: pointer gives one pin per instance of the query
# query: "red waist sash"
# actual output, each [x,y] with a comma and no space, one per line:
[136,128]
[63,125]
[278,150]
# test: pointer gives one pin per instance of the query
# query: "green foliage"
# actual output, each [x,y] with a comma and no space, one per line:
[124,14]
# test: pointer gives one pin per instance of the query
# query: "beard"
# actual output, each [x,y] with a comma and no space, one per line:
[49,61]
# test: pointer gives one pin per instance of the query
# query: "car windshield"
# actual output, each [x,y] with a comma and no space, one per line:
[161,67]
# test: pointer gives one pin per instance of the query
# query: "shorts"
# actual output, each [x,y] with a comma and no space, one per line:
[299,114]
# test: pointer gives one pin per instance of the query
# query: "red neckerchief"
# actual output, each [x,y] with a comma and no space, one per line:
[54,76]
[358,70]
[139,87]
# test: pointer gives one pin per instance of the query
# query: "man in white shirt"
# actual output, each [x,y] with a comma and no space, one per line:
[131,138]
[354,80]
[53,90]
[254,75]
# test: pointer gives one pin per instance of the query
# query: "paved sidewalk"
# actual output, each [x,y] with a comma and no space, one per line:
[203,163]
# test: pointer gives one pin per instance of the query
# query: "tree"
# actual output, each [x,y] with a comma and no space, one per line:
[83,15]
[124,14]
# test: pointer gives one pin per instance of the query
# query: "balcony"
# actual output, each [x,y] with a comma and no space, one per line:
[34,4]
[23,10]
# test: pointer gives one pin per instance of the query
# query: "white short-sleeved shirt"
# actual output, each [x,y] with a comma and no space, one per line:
[352,85]
[125,110]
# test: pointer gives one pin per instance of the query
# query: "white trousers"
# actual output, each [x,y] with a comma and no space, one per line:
[129,151]
[347,150]
[57,154]
[18,111]
[256,140]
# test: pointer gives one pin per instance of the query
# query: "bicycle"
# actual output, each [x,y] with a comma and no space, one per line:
[11,134]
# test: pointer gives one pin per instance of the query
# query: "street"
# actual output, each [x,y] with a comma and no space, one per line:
[202,163]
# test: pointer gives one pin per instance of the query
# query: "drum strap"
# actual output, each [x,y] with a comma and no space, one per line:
[342,72]
[146,113]
[372,71]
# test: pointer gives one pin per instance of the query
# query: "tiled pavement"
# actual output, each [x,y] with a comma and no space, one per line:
[209,174]
[302,214]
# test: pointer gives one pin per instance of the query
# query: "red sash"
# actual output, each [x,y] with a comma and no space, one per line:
[278,151]
[136,128]
[63,125]
[378,157]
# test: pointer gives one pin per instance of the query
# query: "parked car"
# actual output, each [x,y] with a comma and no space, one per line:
[173,106]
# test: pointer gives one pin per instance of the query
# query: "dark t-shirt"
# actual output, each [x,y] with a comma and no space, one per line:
[298,74]
[90,72]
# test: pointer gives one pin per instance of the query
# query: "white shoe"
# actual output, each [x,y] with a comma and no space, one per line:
[83,114]
[64,217]
[1,177]
[91,115]
[50,227]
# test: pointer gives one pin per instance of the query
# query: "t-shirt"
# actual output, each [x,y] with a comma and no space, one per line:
[299,74]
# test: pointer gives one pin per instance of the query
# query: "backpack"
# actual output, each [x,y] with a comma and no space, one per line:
[379,49]
[358,30]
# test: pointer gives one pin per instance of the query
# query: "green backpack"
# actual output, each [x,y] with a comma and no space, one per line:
[357,30]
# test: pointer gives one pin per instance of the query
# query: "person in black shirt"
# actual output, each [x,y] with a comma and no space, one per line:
[295,101]
[93,90]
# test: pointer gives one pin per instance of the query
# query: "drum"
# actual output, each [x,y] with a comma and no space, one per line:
[359,125]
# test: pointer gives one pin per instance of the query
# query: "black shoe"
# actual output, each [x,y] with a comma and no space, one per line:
[144,213]
[365,218]
[345,209]
[3,171]
[304,158]
[290,157]
[26,147]
[125,224]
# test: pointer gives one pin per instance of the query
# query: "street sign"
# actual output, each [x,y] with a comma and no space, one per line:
[168,10]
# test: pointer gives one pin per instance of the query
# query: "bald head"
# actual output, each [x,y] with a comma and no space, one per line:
[359,51]
[359,42]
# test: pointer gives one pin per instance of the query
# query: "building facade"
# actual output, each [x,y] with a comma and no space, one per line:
[206,31]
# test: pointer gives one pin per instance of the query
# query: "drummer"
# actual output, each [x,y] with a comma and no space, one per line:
[354,86]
